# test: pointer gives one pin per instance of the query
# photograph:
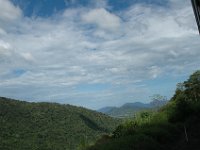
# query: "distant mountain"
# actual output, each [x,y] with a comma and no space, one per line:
[49,126]
[106,109]
[129,109]
[136,104]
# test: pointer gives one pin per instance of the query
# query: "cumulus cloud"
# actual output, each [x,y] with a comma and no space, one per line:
[53,57]
[8,11]
[102,18]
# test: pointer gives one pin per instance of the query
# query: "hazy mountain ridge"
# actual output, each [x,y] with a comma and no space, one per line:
[129,109]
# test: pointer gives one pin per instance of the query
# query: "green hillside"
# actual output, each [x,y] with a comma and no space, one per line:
[175,126]
[49,126]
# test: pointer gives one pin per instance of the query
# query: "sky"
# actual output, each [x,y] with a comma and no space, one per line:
[96,53]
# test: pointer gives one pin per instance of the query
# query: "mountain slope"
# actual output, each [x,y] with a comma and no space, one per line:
[129,109]
[49,126]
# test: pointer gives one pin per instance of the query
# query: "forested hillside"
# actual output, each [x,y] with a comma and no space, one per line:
[49,126]
[174,127]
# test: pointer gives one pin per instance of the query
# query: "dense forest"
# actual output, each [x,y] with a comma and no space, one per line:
[175,126]
[49,126]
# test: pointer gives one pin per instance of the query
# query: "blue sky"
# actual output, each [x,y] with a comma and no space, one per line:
[95,53]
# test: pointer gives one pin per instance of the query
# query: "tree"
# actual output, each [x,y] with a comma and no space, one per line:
[192,86]
[180,87]
[158,100]
[83,144]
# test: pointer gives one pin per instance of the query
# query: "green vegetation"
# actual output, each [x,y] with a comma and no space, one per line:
[49,126]
[173,127]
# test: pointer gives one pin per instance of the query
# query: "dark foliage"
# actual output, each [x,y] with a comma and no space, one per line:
[49,126]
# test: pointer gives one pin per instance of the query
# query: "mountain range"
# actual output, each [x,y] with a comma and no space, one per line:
[129,109]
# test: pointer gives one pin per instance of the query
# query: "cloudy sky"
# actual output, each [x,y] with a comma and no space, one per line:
[96,53]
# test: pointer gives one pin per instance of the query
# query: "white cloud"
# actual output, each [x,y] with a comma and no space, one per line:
[61,52]
[28,56]
[4,45]
[154,71]
[8,11]
[149,23]
[102,18]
